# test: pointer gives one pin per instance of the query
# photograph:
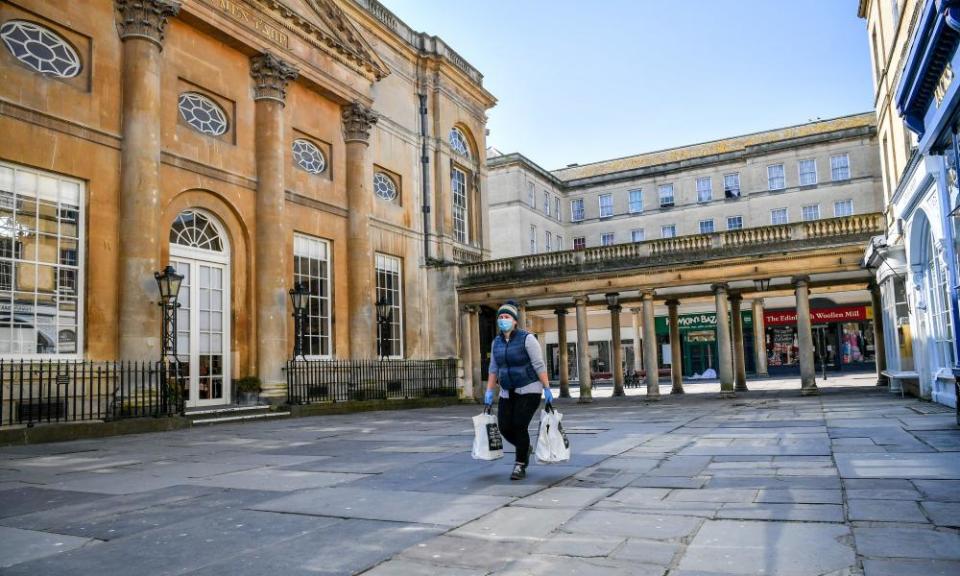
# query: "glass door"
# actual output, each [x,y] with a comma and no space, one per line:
[202,332]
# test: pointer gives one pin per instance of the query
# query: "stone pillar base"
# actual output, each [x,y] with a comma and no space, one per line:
[618,392]
[810,391]
[274,393]
[585,400]
[677,391]
[741,387]
[649,398]
[725,394]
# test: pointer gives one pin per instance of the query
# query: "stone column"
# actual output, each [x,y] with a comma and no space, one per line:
[637,349]
[617,349]
[522,320]
[141,24]
[583,353]
[724,360]
[676,351]
[760,337]
[270,75]
[808,371]
[879,346]
[564,368]
[739,354]
[466,347]
[650,348]
[357,121]
[476,354]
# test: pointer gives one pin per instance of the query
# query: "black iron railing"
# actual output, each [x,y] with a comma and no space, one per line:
[313,381]
[43,391]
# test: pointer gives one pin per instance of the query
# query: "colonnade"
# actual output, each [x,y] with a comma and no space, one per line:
[731,361]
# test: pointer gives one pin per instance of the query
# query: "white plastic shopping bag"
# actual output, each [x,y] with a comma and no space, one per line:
[487,443]
[552,443]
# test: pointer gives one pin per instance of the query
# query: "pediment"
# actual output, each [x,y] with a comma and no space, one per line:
[326,21]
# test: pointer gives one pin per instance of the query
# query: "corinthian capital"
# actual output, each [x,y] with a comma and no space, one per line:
[271,75]
[357,120]
[145,18]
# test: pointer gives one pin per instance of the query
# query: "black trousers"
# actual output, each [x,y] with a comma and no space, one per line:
[514,415]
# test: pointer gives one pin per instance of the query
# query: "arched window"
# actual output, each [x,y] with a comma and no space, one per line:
[459,142]
[202,114]
[195,230]
[40,48]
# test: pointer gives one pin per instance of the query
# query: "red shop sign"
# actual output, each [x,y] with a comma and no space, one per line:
[818,315]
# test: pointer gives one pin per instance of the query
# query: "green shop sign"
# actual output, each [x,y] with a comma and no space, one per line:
[702,321]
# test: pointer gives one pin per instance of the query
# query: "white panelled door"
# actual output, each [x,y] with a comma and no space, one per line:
[199,252]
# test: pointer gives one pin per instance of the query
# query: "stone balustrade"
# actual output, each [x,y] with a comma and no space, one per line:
[463,255]
[857,228]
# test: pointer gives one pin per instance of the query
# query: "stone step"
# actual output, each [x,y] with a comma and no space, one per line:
[226,419]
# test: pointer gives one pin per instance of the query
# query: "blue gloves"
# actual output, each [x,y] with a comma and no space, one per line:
[488,397]
[548,394]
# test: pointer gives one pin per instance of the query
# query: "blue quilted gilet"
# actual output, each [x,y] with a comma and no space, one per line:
[514,369]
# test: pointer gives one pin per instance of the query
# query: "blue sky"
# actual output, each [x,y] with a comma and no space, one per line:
[587,81]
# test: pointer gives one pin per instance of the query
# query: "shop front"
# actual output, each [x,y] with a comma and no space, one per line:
[698,342]
[842,338]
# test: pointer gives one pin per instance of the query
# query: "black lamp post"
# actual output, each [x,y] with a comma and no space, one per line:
[384,314]
[761,284]
[298,295]
[168,283]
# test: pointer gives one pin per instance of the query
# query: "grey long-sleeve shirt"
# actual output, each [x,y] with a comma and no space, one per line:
[536,359]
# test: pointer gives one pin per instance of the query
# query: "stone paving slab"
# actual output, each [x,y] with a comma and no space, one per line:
[398,506]
[18,546]
[782,548]
[670,487]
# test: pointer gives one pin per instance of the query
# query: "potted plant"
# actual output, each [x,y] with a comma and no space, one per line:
[248,390]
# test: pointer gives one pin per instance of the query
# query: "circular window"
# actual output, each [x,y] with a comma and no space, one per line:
[202,113]
[458,141]
[40,48]
[308,156]
[384,187]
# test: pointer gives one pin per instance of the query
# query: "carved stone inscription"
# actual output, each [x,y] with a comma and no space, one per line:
[248,16]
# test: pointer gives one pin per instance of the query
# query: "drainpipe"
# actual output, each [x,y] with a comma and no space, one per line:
[425,179]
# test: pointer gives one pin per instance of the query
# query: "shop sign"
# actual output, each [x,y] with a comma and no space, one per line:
[818,315]
[698,322]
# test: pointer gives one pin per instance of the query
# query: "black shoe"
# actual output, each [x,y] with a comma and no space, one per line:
[519,471]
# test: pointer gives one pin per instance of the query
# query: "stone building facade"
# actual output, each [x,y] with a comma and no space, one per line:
[814,171]
[913,46]
[253,145]
[820,172]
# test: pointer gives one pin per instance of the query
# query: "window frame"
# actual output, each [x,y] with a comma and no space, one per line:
[635,201]
[739,219]
[704,194]
[533,239]
[600,199]
[328,290]
[464,219]
[833,169]
[712,227]
[800,173]
[607,235]
[804,209]
[786,216]
[782,177]
[634,234]
[547,241]
[581,240]
[836,203]
[728,192]
[398,316]
[79,295]
[574,212]
[661,196]
[671,227]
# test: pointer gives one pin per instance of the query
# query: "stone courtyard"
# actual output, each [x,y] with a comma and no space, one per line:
[854,481]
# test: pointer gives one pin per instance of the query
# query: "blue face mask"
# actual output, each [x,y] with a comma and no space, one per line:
[505,324]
